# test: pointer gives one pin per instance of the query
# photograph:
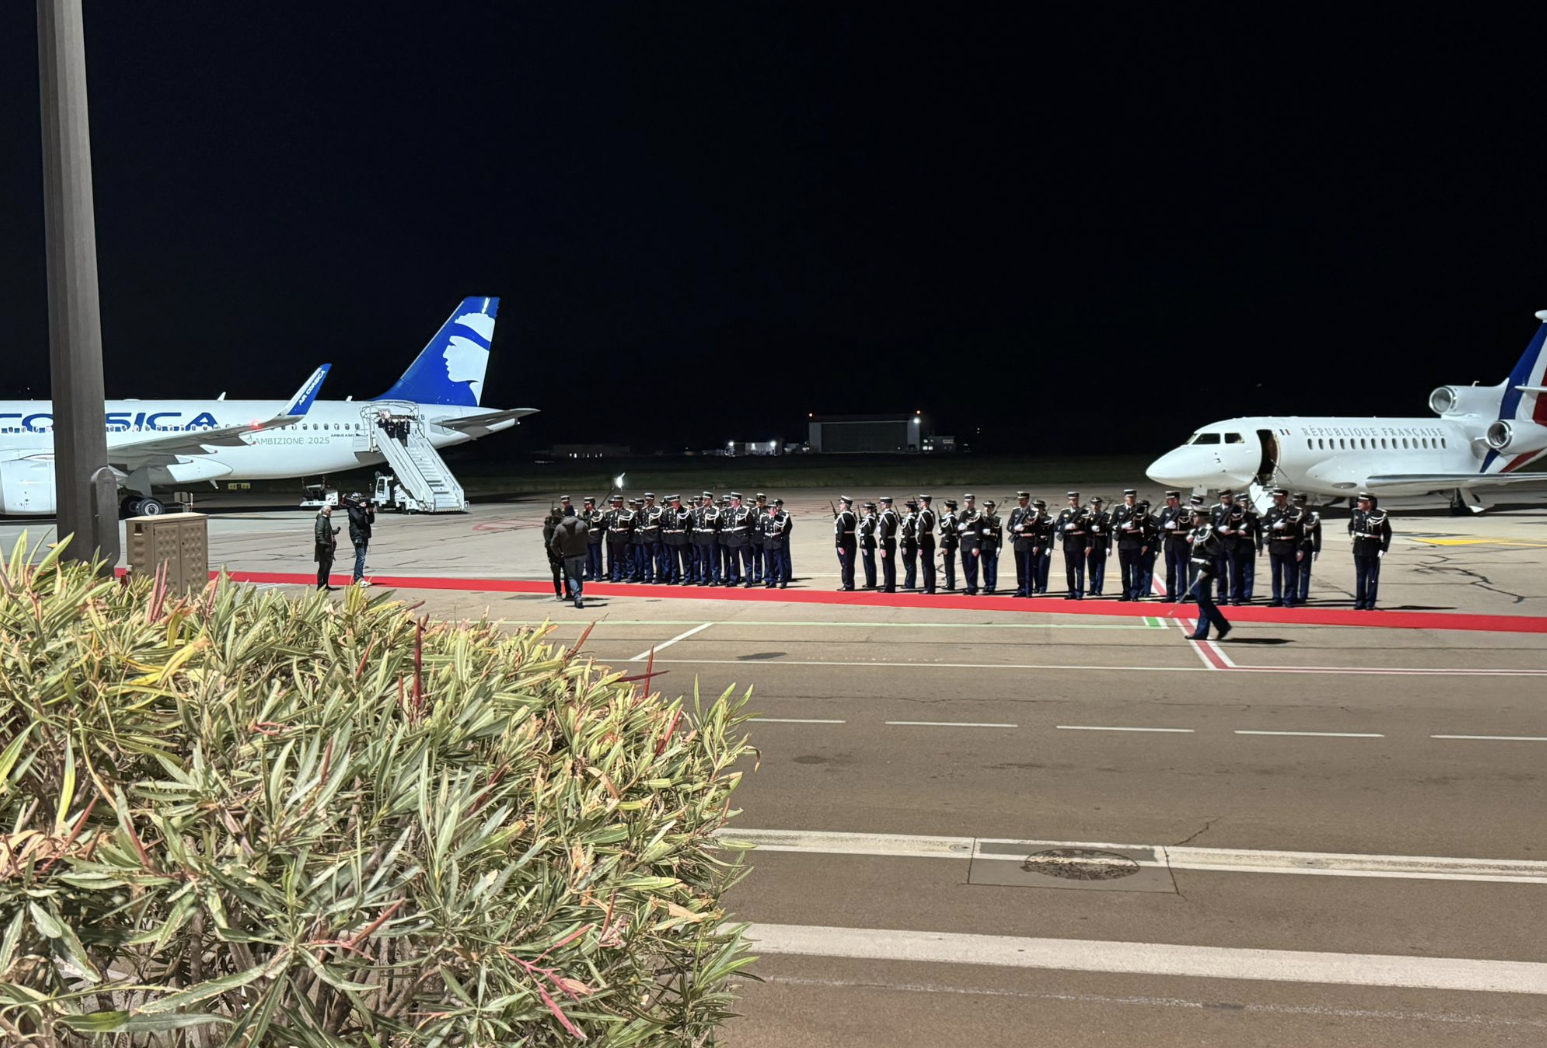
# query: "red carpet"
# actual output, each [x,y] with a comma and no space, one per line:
[1317,616]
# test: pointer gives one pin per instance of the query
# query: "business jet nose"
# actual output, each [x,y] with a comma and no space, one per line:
[1179,468]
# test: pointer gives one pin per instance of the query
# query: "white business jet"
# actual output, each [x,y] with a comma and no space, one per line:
[1481,440]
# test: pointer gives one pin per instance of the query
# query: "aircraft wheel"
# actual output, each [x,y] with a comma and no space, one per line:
[150,507]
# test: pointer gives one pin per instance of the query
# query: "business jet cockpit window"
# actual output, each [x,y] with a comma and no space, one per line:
[1234,438]
[1204,438]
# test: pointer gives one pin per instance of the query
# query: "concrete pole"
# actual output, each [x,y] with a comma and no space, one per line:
[74,321]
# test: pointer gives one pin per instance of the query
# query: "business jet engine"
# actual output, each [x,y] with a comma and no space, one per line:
[1516,436]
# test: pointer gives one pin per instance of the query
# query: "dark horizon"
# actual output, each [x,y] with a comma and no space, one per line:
[1070,230]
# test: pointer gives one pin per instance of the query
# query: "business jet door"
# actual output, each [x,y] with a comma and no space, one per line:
[1268,465]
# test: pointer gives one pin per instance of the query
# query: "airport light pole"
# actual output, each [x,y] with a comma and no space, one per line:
[85,490]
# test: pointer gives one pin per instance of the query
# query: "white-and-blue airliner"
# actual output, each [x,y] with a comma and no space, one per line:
[165,443]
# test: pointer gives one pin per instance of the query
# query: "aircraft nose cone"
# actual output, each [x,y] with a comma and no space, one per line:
[1170,469]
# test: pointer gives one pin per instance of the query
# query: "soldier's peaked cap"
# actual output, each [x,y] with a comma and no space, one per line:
[989,503]
[870,505]
[911,504]
[1098,500]
[1226,491]
[735,494]
[926,498]
[1173,494]
[1023,494]
[673,498]
[1039,503]
[885,498]
[649,494]
[1196,502]
[846,499]
[761,496]
[1277,492]
[1074,494]
[1130,491]
[778,502]
[706,495]
[1300,496]
[591,499]
[950,503]
[1365,496]
[563,498]
[617,498]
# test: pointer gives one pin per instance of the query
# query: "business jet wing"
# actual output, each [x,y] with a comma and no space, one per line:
[162,448]
[1441,481]
[480,425]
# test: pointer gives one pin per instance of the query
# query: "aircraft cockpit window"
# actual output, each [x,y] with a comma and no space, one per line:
[1234,438]
[1204,438]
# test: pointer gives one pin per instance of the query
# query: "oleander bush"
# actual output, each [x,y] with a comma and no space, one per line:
[242,818]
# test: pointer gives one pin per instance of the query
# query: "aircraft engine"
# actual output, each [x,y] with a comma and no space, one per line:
[1465,400]
[27,486]
[1516,436]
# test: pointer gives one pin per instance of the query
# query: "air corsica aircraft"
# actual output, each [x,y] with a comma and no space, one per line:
[158,443]
[1484,438]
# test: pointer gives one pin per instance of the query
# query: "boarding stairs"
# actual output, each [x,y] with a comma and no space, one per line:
[416,465]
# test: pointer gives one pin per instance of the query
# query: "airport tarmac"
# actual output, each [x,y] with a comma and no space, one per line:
[1031,819]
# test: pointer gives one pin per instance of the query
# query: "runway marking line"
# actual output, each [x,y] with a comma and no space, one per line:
[1138,958]
[1212,860]
[1316,615]
[945,724]
[795,720]
[1318,734]
[642,656]
[1113,668]
[1095,727]
[1495,738]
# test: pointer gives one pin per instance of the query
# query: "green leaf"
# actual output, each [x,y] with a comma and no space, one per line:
[67,790]
[8,757]
[44,922]
[123,1022]
[204,990]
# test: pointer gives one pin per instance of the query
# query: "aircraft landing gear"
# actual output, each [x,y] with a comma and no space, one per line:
[141,506]
[1458,505]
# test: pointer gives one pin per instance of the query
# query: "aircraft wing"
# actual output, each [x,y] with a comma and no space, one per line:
[155,449]
[480,425]
[1438,481]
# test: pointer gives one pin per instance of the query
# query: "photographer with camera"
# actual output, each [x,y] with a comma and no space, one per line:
[361,516]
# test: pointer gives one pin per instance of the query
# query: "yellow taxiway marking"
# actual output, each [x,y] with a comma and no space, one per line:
[1482,542]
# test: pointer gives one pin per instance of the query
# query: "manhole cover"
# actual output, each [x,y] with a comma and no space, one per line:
[760,655]
[1080,864]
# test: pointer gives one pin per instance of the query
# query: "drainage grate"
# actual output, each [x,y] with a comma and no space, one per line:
[1045,864]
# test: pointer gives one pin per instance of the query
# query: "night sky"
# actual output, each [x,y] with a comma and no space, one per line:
[1055,229]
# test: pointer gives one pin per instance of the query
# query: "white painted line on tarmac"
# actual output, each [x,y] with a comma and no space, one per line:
[1214,647]
[1141,958]
[668,643]
[794,720]
[1319,734]
[1496,738]
[1216,860]
[1095,727]
[1151,623]
[945,724]
[880,664]
[1285,966]
[1318,1011]
[1203,654]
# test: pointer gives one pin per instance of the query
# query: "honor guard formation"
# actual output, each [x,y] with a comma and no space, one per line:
[1209,553]
[724,543]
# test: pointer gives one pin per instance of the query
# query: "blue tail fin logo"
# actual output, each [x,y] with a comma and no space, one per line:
[450,369]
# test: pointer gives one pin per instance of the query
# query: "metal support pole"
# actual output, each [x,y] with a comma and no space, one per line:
[74,321]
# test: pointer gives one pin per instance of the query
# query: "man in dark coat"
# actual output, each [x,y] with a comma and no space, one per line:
[324,545]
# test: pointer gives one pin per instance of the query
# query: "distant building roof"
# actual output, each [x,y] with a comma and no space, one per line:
[901,416]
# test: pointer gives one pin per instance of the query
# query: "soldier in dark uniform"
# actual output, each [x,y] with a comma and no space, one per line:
[908,545]
[721,552]
[555,562]
[651,568]
[775,524]
[886,544]
[1100,523]
[927,522]
[1132,543]
[676,524]
[1175,523]
[1149,555]
[1073,530]
[991,538]
[1282,526]
[968,523]
[706,526]
[867,544]
[632,556]
[1206,556]
[620,524]
[949,540]
[1310,544]
[1220,520]
[738,544]
[1370,530]
[755,538]
[1248,545]
[593,538]
[1042,550]
[1023,537]
[845,524]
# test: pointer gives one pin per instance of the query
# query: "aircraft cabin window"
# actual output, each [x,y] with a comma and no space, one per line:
[1310,445]
[1383,442]
[1234,438]
[1443,444]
